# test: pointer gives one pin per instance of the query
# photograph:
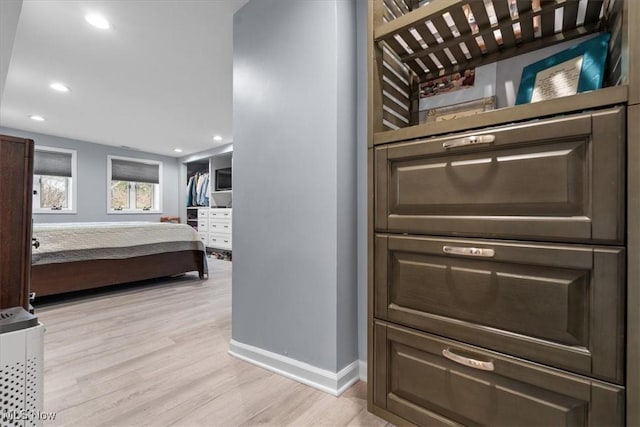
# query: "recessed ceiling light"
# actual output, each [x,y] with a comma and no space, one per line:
[59,87]
[36,118]
[217,138]
[178,150]
[97,21]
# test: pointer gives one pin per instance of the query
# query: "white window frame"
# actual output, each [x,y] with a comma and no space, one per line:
[157,195]
[71,189]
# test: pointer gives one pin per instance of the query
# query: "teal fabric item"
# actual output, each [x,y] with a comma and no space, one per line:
[591,75]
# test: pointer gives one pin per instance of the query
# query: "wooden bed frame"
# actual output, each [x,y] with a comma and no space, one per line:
[57,278]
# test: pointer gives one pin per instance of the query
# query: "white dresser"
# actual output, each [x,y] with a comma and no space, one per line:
[214,227]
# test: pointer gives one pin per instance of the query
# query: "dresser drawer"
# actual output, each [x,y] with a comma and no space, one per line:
[560,179]
[220,226]
[203,213]
[203,224]
[204,237]
[220,213]
[220,241]
[434,381]
[562,305]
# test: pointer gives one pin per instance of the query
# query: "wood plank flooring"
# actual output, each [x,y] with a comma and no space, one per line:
[155,354]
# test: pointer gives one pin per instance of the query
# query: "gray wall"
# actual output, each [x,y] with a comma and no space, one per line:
[92,179]
[346,100]
[294,205]
[362,129]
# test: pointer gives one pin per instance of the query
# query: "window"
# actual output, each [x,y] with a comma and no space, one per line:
[134,185]
[54,172]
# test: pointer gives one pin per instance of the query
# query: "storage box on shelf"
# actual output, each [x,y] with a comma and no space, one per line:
[500,268]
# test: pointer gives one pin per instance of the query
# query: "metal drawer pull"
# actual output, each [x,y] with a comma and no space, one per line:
[469,140]
[466,361]
[487,253]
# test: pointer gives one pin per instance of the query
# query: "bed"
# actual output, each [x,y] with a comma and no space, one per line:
[77,256]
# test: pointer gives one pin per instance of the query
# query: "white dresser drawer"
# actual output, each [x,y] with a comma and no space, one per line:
[220,241]
[203,213]
[203,224]
[204,237]
[220,213]
[220,226]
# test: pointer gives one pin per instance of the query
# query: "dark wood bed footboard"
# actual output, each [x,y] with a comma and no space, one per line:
[50,279]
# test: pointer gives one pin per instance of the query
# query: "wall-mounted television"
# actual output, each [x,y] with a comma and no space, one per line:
[223,179]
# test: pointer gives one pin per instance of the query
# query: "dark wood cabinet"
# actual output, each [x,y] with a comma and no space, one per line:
[430,380]
[551,297]
[559,179]
[555,304]
[504,244]
[16,178]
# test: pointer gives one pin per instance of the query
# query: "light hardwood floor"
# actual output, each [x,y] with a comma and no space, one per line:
[156,355]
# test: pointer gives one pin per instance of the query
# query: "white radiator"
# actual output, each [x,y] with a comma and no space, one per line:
[21,369]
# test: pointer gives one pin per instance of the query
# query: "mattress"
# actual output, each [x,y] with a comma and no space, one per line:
[71,242]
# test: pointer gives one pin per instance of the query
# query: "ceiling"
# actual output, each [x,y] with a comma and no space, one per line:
[160,78]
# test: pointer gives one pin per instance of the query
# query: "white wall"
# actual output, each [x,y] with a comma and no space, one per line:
[294,198]
[92,179]
[9,17]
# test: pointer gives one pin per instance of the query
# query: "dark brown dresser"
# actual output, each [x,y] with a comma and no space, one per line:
[504,278]
[499,274]
[16,177]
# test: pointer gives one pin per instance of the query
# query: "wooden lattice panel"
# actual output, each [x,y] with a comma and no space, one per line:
[444,36]
[396,91]
[615,74]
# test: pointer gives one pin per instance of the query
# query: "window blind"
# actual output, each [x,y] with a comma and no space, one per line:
[127,170]
[52,163]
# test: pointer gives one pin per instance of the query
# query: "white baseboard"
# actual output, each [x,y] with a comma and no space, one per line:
[362,368]
[327,381]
